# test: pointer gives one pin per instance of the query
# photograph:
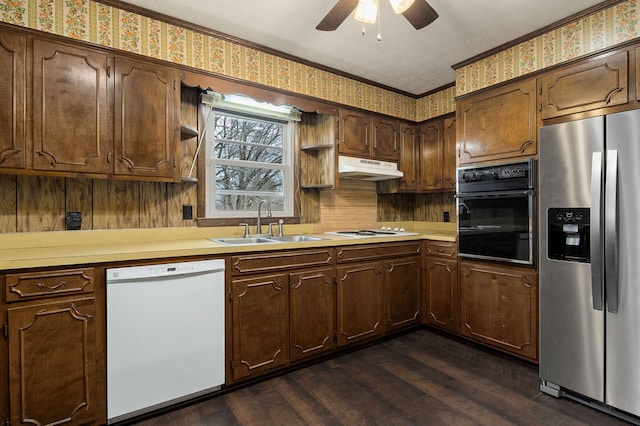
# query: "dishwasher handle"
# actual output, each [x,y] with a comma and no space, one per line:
[155,272]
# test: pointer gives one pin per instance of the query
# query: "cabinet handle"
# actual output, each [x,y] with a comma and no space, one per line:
[109,157]
[108,71]
[54,287]
[78,313]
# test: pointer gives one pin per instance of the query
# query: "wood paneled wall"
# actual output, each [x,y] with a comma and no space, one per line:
[36,203]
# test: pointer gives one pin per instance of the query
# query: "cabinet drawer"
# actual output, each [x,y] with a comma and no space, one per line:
[266,262]
[29,285]
[376,251]
[440,248]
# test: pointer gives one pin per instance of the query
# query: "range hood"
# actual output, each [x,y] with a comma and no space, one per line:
[365,169]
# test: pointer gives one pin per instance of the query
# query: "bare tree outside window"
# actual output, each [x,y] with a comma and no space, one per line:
[247,162]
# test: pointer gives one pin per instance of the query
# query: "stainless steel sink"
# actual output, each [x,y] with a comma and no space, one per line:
[243,241]
[296,238]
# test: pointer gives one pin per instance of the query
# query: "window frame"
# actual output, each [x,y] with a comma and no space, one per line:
[287,166]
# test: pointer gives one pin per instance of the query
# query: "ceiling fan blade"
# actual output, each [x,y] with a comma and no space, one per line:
[420,14]
[337,15]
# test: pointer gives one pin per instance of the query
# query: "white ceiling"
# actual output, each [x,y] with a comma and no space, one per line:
[407,60]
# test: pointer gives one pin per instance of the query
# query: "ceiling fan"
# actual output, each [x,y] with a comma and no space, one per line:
[417,12]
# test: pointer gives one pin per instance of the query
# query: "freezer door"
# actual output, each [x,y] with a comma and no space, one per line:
[623,327]
[571,330]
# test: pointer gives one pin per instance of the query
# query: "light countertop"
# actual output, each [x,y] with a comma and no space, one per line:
[60,248]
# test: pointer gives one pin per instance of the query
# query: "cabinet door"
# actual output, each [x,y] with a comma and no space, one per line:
[431,156]
[70,117]
[360,302]
[260,331]
[449,175]
[354,133]
[147,133]
[409,157]
[52,353]
[312,305]
[499,307]
[12,101]
[594,83]
[499,123]
[385,139]
[402,279]
[441,299]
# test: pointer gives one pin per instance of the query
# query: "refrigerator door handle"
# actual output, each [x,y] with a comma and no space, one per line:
[597,258]
[611,230]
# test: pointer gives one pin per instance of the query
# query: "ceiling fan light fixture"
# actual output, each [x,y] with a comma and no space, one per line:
[366,11]
[399,6]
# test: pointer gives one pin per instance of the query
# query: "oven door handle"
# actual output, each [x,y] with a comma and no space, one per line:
[494,194]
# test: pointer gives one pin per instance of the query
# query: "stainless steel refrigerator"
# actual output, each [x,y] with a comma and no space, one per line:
[589,201]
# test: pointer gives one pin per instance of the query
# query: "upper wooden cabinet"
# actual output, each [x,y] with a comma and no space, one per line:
[594,83]
[409,155]
[147,103]
[365,135]
[498,124]
[70,113]
[12,101]
[67,109]
[428,155]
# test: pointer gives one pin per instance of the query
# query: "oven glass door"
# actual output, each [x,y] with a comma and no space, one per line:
[497,226]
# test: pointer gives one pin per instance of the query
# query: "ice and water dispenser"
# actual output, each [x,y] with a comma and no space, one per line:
[569,234]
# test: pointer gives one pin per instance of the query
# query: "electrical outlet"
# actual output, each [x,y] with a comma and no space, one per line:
[187,212]
[73,220]
[446,216]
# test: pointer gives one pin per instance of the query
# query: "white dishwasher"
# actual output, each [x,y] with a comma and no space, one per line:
[165,335]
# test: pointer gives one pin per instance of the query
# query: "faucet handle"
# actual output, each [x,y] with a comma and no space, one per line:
[246,229]
[271,228]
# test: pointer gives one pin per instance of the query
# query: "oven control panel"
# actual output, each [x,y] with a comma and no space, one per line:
[497,177]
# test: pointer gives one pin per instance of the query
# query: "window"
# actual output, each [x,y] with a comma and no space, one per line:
[249,158]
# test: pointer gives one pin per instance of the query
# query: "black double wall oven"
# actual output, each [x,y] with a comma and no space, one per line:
[496,212]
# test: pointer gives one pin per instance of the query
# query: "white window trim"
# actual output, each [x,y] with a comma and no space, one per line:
[287,166]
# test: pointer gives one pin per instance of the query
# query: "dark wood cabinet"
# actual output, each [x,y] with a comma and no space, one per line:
[147,130]
[500,123]
[441,298]
[312,307]
[499,307]
[409,155]
[402,284]
[260,332]
[378,289]
[599,82]
[282,309]
[360,302]
[365,135]
[13,112]
[430,155]
[385,139]
[70,110]
[52,324]
[449,151]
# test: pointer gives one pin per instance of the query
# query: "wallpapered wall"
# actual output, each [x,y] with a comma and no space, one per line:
[109,26]
[599,30]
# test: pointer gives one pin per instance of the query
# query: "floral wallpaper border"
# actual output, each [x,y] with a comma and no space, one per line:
[606,28]
[109,26]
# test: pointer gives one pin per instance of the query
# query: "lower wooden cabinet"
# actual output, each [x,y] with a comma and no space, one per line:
[312,312]
[55,346]
[260,333]
[499,307]
[402,284]
[441,298]
[360,298]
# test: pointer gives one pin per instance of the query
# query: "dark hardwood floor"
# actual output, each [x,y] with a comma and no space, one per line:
[421,378]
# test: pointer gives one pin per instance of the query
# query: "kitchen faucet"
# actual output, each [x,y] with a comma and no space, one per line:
[259,221]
